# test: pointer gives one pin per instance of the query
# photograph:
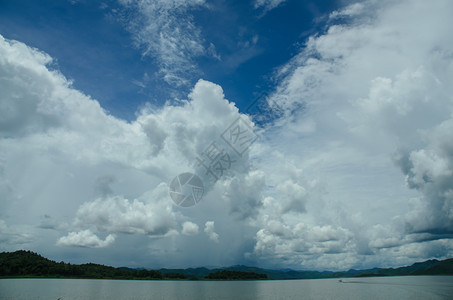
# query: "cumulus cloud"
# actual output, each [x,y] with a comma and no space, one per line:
[357,174]
[85,238]
[291,197]
[21,109]
[430,171]
[189,228]
[370,92]
[210,231]
[244,194]
[92,171]
[304,243]
[116,214]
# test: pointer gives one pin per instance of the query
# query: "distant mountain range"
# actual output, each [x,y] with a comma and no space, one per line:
[29,264]
[429,267]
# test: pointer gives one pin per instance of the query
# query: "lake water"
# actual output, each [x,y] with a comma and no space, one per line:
[411,287]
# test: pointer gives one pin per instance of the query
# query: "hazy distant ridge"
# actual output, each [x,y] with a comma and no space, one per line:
[29,264]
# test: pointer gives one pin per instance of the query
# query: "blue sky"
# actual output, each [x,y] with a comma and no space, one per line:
[346,162]
[92,46]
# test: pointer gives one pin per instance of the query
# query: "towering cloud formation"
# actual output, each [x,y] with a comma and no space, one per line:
[63,155]
[357,173]
[376,96]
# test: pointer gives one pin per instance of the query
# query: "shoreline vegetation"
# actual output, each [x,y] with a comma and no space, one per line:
[28,264]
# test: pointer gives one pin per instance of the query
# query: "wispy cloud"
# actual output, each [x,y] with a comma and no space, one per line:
[165,30]
[349,11]
[267,5]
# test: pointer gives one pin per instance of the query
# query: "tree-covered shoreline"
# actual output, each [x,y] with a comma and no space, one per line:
[28,264]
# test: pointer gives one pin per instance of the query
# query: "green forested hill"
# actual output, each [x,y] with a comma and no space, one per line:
[429,267]
[444,267]
[29,264]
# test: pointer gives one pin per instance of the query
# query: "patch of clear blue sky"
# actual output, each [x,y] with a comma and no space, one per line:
[93,48]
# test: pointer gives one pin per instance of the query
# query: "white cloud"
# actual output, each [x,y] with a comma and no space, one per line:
[349,11]
[210,231]
[291,197]
[11,236]
[152,216]
[85,238]
[167,32]
[267,5]
[321,189]
[430,171]
[189,228]
[372,89]
[244,194]
[92,171]
[21,109]
[301,243]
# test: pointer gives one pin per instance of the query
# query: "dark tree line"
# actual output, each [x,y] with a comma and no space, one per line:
[235,275]
[29,264]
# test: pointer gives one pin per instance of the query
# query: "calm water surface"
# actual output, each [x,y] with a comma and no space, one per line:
[411,287]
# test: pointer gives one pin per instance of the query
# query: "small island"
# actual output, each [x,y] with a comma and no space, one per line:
[235,275]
